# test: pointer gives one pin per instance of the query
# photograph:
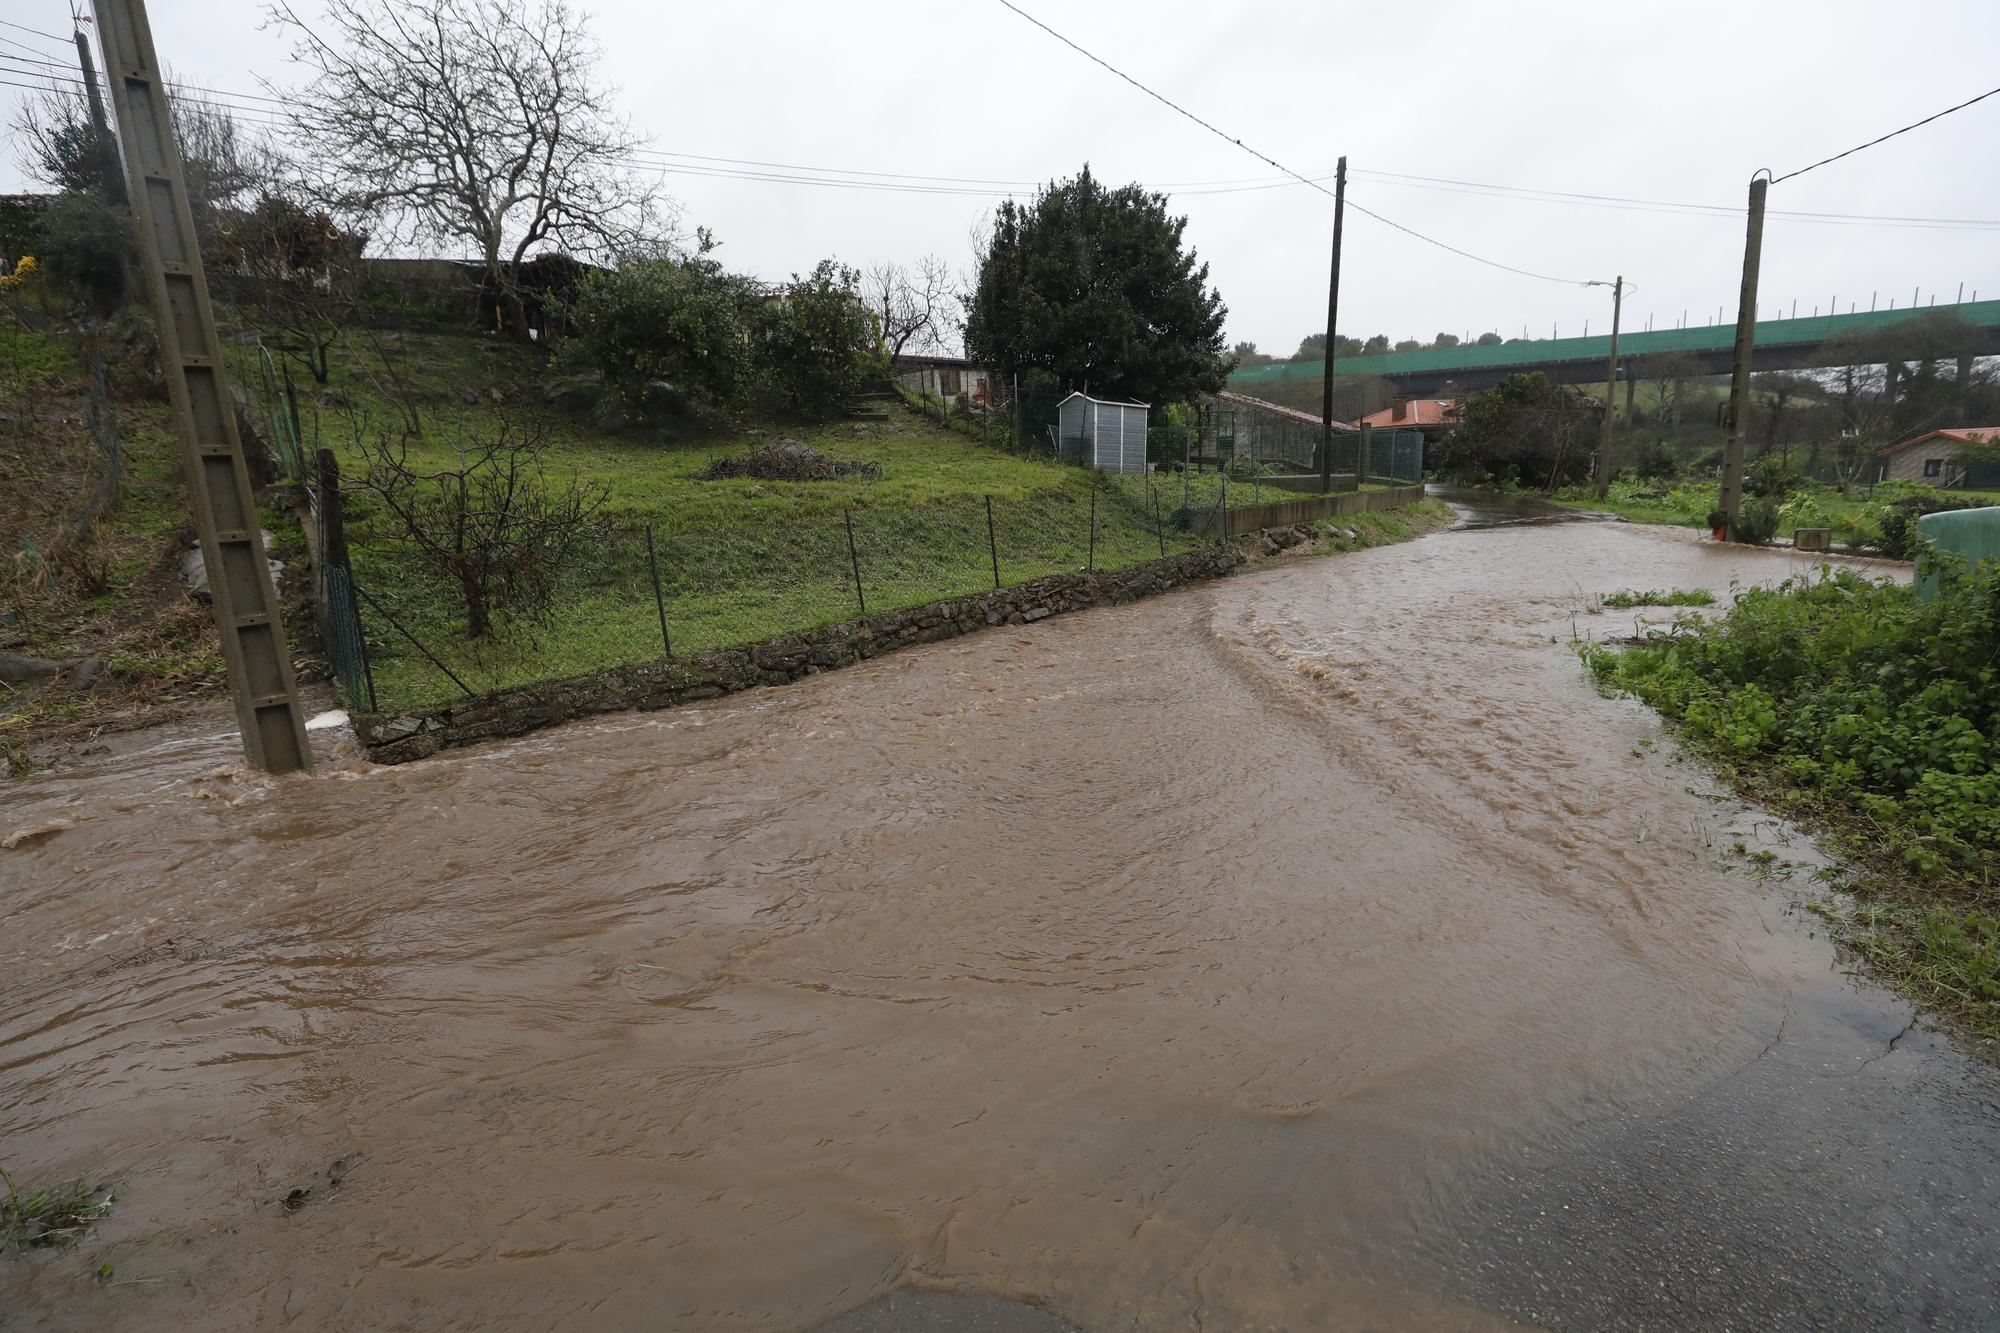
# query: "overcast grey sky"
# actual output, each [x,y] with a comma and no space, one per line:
[1667,100]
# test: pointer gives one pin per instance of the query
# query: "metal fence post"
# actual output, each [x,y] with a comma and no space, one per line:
[1159,531]
[1222,510]
[1090,561]
[854,561]
[659,598]
[992,545]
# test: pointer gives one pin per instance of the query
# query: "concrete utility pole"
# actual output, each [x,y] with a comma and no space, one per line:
[225,506]
[1610,391]
[113,187]
[1739,373]
[1332,313]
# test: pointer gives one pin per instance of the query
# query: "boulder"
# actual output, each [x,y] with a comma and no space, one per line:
[194,571]
[19,668]
[570,396]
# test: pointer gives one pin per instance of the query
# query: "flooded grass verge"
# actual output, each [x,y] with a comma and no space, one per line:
[1866,715]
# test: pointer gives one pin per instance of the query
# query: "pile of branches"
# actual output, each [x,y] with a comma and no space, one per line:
[788,460]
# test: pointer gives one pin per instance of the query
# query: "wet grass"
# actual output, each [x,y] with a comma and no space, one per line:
[1867,716]
[1626,599]
[1854,516]
[54,1215]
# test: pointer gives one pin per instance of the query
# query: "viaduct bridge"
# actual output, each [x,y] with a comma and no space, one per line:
[1782,344]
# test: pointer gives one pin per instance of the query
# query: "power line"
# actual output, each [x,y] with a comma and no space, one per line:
[1230,138]
[269,116]
[69,68]
[1872,142]
[1667,206]
[52,36]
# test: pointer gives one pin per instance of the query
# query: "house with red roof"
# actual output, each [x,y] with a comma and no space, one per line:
[1932,458]
[1433,416]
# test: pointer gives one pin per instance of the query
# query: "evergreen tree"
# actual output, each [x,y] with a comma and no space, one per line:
[1095,288]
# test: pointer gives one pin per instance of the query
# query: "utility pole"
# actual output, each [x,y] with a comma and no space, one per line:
[1332,314]
[225,506]
[113,187]
[1739,373]
[1610,391]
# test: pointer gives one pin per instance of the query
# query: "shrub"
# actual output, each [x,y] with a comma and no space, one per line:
[1899,521]
[1773,476]
[1756,522]
[815,343]
[682,322]
[1523,431]
[1654,460]
[1856,689]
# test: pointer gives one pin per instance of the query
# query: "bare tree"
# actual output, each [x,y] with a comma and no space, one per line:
[58,145]
[1670,373]
[909,306]
[471,122]
[492,527]
[294,271]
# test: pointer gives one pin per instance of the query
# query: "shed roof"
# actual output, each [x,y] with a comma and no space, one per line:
[1108,402]
[1278,409]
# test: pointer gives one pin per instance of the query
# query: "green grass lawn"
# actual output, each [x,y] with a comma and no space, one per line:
[740,559]
[1855,517]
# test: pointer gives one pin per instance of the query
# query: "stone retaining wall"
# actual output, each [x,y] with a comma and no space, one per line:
[1288,513]
[396,738]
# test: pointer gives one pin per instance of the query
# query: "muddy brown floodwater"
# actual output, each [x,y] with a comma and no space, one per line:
[1216,959]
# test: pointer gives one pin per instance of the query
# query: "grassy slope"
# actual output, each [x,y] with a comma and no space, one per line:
[114,595]
[741,559]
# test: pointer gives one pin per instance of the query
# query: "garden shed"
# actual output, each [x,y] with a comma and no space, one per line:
[1100,433]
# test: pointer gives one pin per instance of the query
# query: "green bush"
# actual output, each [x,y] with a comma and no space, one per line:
[1851,699]
[1756,522]
[1654,460]
[1899,520]
[679,322]
[1773,476]
[815,343]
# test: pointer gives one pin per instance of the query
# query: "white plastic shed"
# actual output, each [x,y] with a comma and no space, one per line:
[1106,435]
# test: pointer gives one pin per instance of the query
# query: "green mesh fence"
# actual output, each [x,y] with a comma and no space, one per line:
[724,587]
[346,649]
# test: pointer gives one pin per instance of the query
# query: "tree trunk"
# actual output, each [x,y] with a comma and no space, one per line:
[517,315]
[477,624]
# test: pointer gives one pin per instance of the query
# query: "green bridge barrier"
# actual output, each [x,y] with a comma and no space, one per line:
[1708,338]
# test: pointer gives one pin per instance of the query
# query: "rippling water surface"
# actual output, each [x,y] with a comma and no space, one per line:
[1175,961]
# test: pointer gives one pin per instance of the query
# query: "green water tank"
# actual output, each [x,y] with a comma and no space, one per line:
[1970,534]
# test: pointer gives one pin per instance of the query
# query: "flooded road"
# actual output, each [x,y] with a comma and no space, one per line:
[1311,949]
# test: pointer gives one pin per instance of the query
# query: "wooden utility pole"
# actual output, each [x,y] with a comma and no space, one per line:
[225,505]
[1610,392]
[1332,313]
[1739,375]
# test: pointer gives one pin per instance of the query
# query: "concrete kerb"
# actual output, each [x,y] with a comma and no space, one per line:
[393,738]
